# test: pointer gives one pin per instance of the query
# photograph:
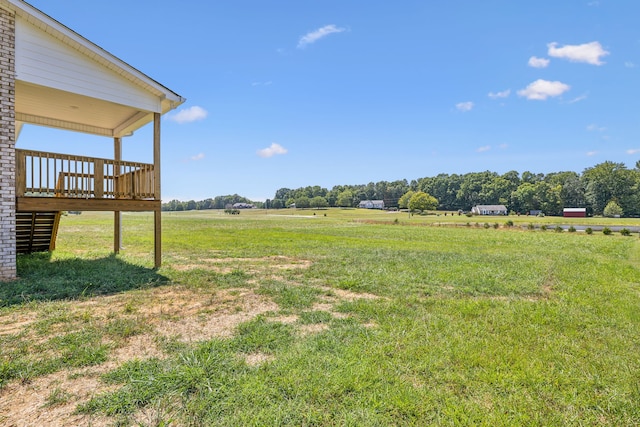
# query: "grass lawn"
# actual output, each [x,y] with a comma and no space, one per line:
[328,317]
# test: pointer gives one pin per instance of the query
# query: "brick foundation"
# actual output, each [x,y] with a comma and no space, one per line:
[7,147]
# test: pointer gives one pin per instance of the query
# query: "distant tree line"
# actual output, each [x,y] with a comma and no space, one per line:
[218,202]
[607,188]
[597,187]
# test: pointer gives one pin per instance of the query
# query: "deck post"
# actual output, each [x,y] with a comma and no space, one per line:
[117,215]
[157,214]
[7,147]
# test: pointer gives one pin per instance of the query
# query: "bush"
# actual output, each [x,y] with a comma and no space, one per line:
[509,223]
[530,226]
[558,229]
[486,225]
[496,225]
[543,227]
[606,231]
[625,232]
[572,229]
[612,210]
[588,230]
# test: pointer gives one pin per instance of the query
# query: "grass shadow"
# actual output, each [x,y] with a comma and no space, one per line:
[40,279]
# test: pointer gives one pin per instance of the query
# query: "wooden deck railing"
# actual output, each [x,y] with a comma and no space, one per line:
[42,174]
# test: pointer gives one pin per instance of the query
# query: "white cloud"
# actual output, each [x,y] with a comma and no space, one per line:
[543,89]
[633,151]
[536,62]
[591,153]
[269,83]
[464,106]
[577,99]
[503,146]
[629,64]
[272,150]
[503,94]
[483,148]
[590,53]
[188,115]
[316,35]
[593,128]
[198,156]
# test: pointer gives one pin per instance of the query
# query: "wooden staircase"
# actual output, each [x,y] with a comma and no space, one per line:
[36,231]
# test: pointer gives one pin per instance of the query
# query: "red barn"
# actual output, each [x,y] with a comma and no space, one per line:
[574,212]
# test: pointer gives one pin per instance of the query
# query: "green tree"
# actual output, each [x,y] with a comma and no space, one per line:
[609,181]
[318,202]
[345,199]
[422,201]
[612,209]
[525,198]
[403,202]
[497,191]
[303,202]
[470,192]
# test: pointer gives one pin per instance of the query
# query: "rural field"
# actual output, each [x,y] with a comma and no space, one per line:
[327,317]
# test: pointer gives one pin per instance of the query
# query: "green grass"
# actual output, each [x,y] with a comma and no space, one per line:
[430,325]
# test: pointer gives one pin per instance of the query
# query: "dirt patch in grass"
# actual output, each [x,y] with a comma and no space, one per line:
[214,317]
[313,328]
[343,294]
[135,326]
[50,401]
[176,312]
[228,265]
[15,323]
[287,320]
[256,359]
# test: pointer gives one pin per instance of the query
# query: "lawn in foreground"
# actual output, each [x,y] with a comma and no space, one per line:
[365,324]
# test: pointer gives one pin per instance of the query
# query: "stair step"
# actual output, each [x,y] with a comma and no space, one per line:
[36,231]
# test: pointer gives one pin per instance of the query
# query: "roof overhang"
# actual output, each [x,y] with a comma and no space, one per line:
[56,103]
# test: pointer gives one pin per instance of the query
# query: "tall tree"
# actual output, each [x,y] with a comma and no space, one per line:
[609,181]
[403,202]
[345,199]
[422,201]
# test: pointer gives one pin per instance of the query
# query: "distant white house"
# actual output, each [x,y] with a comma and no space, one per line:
[489,210]
[371,204]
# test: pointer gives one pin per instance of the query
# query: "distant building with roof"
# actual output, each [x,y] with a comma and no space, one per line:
[371,204]
[489,210]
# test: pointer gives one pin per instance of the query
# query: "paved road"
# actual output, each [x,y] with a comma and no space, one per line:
[616,228]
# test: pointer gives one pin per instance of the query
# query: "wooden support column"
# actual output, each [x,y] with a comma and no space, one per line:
[156,191]
[117,215]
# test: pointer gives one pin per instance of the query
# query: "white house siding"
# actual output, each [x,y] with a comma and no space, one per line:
[7,147]
[46,61]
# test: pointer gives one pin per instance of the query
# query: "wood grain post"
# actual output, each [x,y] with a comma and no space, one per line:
[98,178]
[156,190]
[21,173]
[117,215]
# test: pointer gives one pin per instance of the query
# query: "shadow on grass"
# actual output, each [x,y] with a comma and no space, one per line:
[40,279]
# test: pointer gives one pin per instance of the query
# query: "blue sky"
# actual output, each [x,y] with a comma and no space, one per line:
[291,93]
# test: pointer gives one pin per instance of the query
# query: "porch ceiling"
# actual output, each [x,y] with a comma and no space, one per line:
[65,110]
